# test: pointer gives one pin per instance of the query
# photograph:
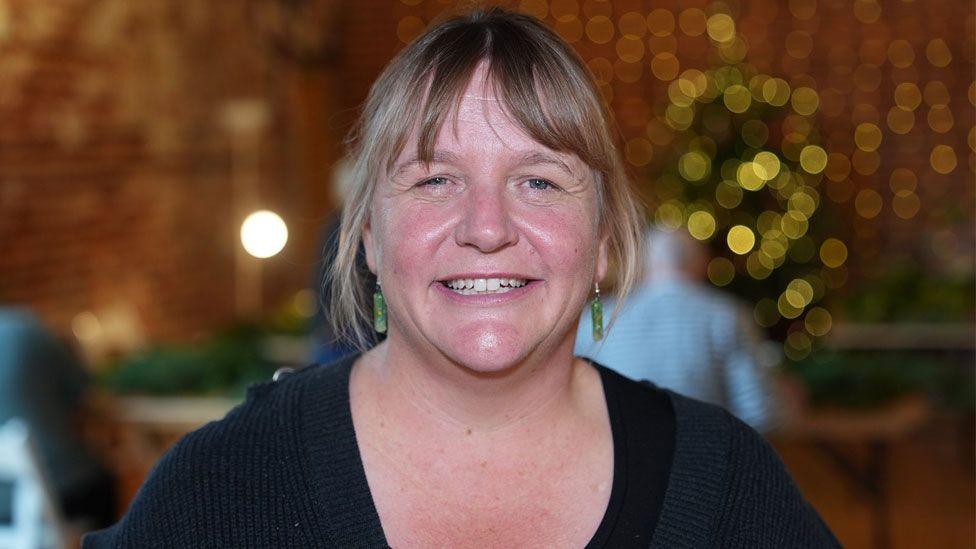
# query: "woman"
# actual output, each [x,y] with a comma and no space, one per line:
[490,200]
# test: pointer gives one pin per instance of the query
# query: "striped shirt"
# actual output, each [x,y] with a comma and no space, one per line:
[695,340]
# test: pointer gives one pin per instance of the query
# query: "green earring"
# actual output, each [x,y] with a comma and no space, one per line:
[379,310]
[596,314]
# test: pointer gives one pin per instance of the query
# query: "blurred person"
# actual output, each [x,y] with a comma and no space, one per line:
[43,384]
[683,334]
[490,198]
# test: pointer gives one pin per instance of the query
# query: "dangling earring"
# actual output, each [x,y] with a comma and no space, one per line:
[596,314]
[379,310]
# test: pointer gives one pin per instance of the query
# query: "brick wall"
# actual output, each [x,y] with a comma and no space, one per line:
[116,166]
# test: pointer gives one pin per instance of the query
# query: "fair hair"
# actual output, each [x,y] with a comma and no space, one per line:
[549,93]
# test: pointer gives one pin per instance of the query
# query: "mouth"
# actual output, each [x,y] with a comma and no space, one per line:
[484,286]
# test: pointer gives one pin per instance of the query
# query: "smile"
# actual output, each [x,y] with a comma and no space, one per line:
[481,286]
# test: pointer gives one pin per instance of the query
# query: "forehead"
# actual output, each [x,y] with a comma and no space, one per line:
[481,125]
[482,119]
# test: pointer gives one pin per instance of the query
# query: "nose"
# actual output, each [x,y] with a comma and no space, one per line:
[487,224]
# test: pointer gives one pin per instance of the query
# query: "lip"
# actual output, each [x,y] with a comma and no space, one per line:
[486,275]
[487,299]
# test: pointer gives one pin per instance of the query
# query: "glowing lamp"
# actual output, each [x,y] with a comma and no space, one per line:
[263,234]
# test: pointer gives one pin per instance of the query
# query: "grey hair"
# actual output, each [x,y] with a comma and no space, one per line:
[672,251]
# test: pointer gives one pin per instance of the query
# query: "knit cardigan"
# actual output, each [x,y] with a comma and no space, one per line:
[283,470]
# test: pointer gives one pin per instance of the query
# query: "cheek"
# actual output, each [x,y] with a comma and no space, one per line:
[567,236]
[411,237]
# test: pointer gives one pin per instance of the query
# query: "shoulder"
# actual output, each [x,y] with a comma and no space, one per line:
[731,488]
[228,469]
[764,505]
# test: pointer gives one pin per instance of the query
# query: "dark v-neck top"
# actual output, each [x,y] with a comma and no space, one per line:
[643,426]
[284,470]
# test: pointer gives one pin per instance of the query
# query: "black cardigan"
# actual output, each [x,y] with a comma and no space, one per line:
[283,470]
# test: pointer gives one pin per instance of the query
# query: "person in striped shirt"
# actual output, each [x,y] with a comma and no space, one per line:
[683,334]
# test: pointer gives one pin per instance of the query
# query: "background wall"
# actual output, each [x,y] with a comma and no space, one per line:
[117,141]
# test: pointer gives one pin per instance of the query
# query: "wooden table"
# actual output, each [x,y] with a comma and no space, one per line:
[833,431]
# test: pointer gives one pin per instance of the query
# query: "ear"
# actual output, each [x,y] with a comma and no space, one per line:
[602,260]
[369,246]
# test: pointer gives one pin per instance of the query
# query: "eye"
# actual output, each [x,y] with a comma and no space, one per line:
[537,184]
[434,181]
[438,187]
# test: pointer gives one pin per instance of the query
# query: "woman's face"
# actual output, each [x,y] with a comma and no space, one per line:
[488,254]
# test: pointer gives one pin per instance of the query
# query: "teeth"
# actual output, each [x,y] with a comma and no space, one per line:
[472,286]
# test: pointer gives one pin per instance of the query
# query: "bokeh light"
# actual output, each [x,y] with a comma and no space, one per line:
[721,27]
[935,94]
[906,204]
[740,239]
[867,136]
[660,22]
[409,28]
[701,225]
[692,21]
[639,151]
[940,119]
[632,24]
[900,120]
[868,203]
[943,159]
[797,345]
[263,234]
[721,271]
[901,53]
[805,100]
[908,96]
[833,252]
[813,159]
[937,52]
[600,29]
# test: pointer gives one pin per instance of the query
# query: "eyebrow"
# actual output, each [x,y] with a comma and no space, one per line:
[542,158]
[437,156]
[530,158]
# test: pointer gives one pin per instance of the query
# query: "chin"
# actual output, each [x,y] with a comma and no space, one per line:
[486,349]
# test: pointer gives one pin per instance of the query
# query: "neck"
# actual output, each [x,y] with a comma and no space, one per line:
[435,392]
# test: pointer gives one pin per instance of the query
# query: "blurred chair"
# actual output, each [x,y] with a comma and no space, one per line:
[29,517]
